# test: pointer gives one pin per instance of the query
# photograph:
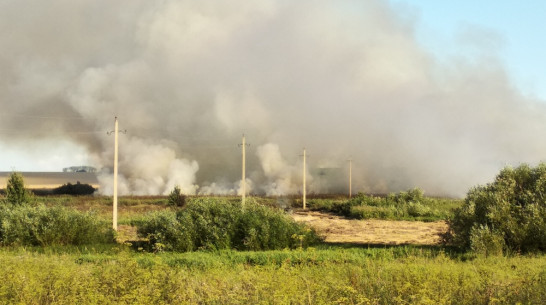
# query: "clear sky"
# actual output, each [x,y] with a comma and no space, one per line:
[516,26]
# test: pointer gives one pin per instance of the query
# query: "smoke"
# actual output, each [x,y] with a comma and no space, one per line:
[281,177]
[154,168]
[345,79]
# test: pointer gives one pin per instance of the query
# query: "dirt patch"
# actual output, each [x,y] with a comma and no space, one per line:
[337,229]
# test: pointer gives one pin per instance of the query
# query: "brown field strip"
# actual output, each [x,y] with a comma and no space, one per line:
[337,229]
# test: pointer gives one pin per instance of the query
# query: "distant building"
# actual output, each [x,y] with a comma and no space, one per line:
[80,169]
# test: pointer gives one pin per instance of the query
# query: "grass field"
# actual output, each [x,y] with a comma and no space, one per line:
[325,275]
[409,205]
[329,273]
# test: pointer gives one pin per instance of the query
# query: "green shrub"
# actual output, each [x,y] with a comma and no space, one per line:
[415,195]
[485,241]
[411,204]
[15,190]
[215,224]
[162,226]
[416,209]
[176,198]
[42,226]
[513,207]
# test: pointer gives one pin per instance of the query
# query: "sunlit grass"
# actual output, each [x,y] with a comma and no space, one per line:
[116,274]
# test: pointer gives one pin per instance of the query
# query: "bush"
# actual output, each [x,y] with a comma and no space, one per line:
[415,195]
[15,190]
[74,189]
[42,226]
[513,208]
[411,204]
[416,209]
[485,241]
[176,198]
[215,224]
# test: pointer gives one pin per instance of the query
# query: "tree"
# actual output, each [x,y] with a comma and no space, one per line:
[509,213]
[15,190]
[176,198]
[74,189]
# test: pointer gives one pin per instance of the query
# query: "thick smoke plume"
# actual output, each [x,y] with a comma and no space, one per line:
[345,79]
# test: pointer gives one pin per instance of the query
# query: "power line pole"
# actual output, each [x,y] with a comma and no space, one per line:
[115,203]
[304,170]
[243,181]
[115,208]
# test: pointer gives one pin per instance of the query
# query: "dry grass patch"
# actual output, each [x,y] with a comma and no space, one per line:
[338,229]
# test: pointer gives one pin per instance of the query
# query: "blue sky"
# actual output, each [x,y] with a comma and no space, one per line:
[516,28]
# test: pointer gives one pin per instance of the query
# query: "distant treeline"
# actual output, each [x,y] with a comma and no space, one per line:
[65,189]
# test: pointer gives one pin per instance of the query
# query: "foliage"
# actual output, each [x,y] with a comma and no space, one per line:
[408,205]
[74,189]
[334,276]
[510,212]
[220,224]
[176,198]
[15,190]
[485,241]
[327,274]
[42,226]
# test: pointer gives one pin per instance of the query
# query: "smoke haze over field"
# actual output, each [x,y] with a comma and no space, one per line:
[345,79]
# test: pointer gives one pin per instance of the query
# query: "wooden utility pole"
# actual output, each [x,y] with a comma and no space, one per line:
[243,181]
[115,203]
[304,170]
[115,207]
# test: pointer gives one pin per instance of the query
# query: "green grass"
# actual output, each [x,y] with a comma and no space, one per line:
[409,205]
[328,275]
[325,274]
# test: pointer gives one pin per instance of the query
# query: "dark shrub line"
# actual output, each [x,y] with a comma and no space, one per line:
[43,226]
[215,224]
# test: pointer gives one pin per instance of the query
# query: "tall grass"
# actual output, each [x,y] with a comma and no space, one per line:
[408,205]
[249,278]
[44,226]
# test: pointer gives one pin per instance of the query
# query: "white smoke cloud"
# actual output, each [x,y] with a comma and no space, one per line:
[186,79]
[281,178]
[217,189]
[153,168]
[106,181]
[230,189]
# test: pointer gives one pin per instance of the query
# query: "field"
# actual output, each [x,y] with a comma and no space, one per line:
[337,229]
[385,262]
